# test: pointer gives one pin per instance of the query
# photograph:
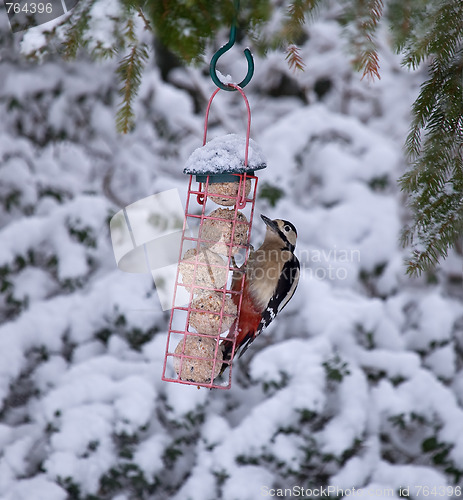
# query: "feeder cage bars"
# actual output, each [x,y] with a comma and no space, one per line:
[209,281]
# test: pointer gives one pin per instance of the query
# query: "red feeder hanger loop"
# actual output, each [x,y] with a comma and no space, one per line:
[241,201]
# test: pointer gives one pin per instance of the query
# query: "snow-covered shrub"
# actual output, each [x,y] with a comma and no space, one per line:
[358,383]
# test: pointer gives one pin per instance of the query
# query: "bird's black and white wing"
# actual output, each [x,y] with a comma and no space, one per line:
[284,291]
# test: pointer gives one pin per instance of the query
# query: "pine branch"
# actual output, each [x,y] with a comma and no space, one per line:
[130,71]
[74,38]
[295,61]
[78,25]
[292,31]
[437,33]
[300,9]
[362,18]
[430,243]
[401,15]
[148,26]
[369,61]
[185,27]
[293,27]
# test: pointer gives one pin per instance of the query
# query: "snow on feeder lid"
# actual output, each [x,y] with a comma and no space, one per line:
[224,156]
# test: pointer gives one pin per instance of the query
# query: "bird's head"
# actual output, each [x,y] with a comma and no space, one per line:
[283,230]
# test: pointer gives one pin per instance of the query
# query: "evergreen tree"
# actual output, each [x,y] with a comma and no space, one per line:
[435,181]
[425,31]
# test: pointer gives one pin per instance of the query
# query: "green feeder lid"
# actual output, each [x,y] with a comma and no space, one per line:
[223,156]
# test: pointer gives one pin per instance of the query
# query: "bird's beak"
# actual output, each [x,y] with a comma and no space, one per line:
[269,223]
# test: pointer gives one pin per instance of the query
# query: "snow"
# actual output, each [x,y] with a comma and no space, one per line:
[357,384]
[32,283]
[394,364]
[225,154]
[224,78]
[33,40]
[358,470]
[149,455]
[405,475]
[246,483]
[442,362]
[350,422]
[288,450]
[39,488]
[436,318]
[181,401]
[48,374]
[201,480]
[80,427]
[214,429]
[101,15]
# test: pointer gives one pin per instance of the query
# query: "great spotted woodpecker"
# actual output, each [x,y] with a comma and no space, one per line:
[271,278]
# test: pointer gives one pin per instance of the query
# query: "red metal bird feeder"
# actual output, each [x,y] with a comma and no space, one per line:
[202,324]
[221,175]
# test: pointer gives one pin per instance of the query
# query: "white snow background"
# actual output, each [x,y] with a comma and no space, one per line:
[359,382]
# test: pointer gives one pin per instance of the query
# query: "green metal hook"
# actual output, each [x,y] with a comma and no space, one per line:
[225,48]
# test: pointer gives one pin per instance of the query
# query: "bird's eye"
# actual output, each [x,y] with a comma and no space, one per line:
[287,228]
